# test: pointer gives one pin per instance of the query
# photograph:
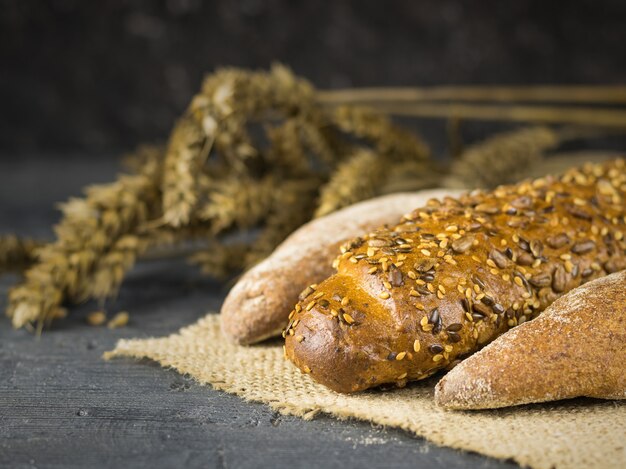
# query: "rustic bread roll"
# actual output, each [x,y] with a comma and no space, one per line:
[452,276]
[577,347]
[258,305]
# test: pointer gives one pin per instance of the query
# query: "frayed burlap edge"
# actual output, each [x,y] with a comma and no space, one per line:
[577,433]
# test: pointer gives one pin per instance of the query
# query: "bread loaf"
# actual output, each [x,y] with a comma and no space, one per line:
[577,347]
[455,274]
[258,305]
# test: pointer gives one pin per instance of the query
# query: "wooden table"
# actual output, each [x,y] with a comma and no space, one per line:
[62,405]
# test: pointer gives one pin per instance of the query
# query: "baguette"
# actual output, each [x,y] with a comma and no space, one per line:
[453,275]
[257,307]
[577,347]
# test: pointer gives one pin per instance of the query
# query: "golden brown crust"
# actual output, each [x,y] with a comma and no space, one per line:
[409,301]
[257,307]
[577,347]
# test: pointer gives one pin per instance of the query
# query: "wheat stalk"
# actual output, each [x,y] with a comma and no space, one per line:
[228,101]
[502,158]
[357,178]
[90,226]
[610,94]
[574,115]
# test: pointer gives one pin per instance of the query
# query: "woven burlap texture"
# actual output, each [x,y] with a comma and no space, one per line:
[570,434]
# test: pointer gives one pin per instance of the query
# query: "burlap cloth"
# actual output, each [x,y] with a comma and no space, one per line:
[571,434]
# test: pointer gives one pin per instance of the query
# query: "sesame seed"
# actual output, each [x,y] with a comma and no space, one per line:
[344,301]
[416,345]
[348,318]
[310,306]
[426,252]
[438,358]
[372,270]
[318,295]
[402,376]
[400,356]
[299,338]
[384,295]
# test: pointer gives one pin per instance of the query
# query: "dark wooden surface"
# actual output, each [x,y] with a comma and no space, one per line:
[61,405]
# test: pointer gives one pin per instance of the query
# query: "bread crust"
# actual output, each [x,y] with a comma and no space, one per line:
[577,347]
[454,275]
[257,307]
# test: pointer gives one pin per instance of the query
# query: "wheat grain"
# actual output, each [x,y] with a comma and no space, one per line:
[16,254]
[502,158]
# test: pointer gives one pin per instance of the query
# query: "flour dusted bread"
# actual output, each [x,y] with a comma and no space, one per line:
[577,347]
[455,274]
[258,305]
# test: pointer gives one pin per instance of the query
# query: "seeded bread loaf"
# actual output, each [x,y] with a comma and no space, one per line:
[258,305]
[453,275]
[577,347]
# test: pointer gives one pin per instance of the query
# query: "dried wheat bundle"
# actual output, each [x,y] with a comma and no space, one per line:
[255,155]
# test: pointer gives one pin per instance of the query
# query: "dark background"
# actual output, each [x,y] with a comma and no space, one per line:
[103,76]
